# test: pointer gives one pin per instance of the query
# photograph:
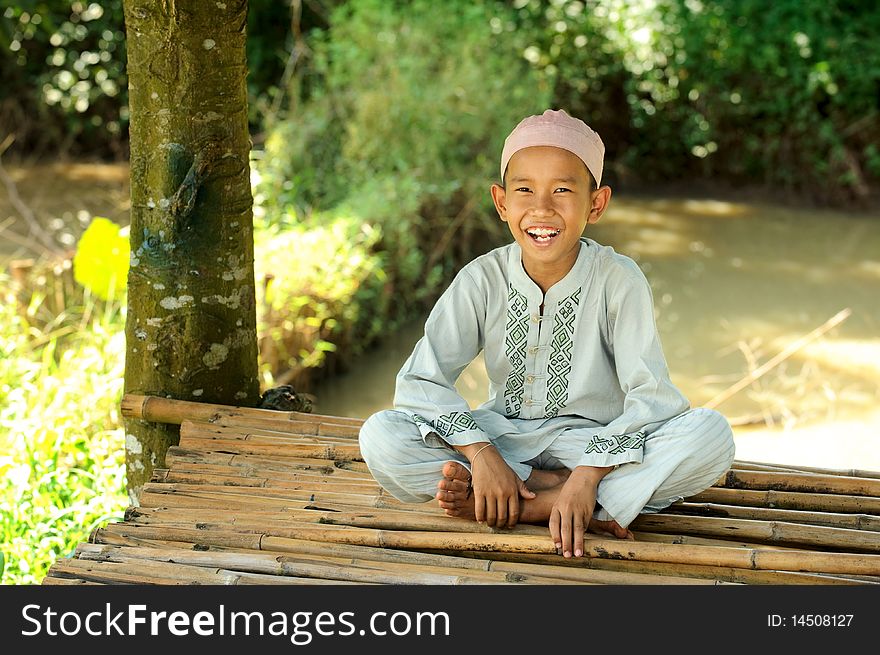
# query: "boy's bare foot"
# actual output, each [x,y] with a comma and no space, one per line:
[610,528]
[454,495]
[454,491]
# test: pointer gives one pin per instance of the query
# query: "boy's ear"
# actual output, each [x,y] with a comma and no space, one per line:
[499,197]
[599,203]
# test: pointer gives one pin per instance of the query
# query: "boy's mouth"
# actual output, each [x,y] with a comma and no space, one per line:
[542,234]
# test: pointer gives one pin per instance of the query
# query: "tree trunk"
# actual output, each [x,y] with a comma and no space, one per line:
[191,324]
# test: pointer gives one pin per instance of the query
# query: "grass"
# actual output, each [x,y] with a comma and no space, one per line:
[62,453]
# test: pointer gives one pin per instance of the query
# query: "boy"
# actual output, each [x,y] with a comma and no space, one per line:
[583,428]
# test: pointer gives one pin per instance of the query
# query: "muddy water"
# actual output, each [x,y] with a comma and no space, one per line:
[735,283]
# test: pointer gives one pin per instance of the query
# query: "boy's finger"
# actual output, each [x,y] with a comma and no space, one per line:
[512,511]
[565,526]
[501,512]
[554,529]
[479,507]
[578,536]
[491,507]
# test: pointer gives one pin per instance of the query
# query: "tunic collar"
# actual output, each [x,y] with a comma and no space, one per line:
[573,280]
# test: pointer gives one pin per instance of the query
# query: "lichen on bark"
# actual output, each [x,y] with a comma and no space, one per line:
[191,216]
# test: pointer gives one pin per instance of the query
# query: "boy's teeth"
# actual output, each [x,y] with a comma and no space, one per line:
[542,233]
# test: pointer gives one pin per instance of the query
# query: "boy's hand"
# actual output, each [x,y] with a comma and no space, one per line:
[573,509]
[497,490]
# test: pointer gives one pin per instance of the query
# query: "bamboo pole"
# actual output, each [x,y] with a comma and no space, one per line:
[244,578]
[774,532]
[168,410]
[697,571]
[763,466]
[831,519]
[290,475]
[144,573]
[252,495]
[200,428]
[597,576]
[177,454]
[224,481]
[773,362]
[50,579]
[130,570]
[802,482]
[332,427]
[261,447]
[211,500]
[789,500]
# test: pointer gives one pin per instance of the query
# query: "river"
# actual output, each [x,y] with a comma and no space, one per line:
[735,283]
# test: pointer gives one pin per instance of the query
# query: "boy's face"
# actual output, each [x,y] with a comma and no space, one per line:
[547,203]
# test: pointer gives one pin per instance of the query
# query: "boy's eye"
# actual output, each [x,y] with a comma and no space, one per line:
[562,188]
[525,189]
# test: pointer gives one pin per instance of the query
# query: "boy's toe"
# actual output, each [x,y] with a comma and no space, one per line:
[455,471]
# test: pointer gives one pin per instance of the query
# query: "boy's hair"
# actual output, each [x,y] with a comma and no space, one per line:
[558,129]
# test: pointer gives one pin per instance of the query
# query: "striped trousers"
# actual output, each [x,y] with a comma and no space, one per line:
[684,456]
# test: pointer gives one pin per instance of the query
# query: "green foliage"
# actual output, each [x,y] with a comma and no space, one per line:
[324,292]
[401,128]
[62,468]
[65,89]
[101,260]
[781,93]
[64,76]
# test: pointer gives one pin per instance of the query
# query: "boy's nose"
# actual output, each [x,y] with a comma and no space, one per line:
[542,204]
[542,209]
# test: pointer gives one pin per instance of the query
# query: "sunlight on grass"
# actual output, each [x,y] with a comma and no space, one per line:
[62,459]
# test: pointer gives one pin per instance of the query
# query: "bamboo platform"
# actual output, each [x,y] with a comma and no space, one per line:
[254,496]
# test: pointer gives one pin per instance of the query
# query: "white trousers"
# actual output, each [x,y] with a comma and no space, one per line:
[683,457]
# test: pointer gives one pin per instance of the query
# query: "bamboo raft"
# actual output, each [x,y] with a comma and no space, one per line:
[254,496]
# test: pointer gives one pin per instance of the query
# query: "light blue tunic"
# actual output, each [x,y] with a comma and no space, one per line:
[591,365]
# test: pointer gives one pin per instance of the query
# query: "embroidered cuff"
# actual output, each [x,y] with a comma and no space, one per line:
[614,450]
[454,429]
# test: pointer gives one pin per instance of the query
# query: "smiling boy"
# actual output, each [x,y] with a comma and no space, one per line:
[583,429]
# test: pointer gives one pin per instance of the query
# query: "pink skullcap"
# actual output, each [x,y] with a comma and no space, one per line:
[557,128]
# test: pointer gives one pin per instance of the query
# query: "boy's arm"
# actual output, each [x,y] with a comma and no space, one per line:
[425,386]
[651,398]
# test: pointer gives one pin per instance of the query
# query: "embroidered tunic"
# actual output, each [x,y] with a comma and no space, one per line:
[592,364]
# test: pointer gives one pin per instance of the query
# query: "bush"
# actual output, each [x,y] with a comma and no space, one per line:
[401,126]
[322,297]
[64,81]
[781,94]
